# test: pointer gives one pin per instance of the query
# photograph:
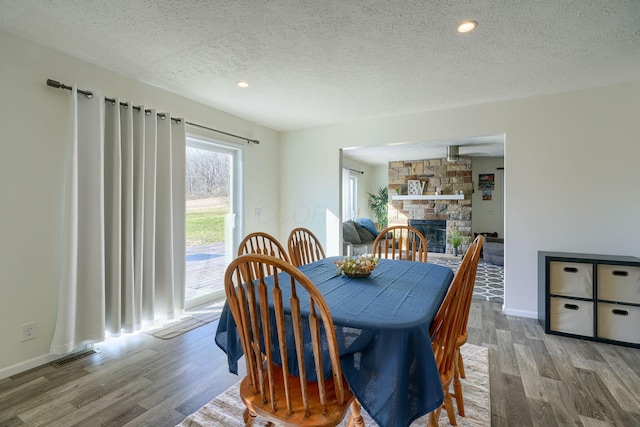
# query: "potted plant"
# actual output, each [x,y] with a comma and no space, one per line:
[456,239]
[378,204]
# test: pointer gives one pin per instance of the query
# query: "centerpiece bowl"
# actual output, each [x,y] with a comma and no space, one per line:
[357,266]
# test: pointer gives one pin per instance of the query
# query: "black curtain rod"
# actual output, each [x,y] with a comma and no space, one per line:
[356,170]
[58,85]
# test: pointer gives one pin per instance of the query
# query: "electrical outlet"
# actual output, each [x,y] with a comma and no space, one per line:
[28,331]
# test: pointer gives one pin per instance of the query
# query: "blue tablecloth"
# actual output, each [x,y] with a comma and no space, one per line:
[382,324]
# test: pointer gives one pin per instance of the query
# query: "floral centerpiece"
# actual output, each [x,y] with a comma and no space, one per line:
[360,266]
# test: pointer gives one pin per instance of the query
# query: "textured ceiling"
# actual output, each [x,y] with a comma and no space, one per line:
[481,146]
[317,62]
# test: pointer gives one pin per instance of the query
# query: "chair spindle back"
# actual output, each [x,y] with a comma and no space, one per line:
[267,296]
[304,247]
[401,242]
[262,243]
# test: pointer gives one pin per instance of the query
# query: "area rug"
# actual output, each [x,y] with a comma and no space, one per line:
[193,319]
[489,284]
[227,408]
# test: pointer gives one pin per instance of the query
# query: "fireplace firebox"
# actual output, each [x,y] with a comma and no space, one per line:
[435,231]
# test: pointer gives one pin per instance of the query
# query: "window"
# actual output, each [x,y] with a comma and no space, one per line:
[349,194]
[212,171]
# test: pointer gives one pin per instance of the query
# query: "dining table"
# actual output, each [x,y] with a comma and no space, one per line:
[382,325]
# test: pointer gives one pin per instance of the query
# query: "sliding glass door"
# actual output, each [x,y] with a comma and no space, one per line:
[211,230]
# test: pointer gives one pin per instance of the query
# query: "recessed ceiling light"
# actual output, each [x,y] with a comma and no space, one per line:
[466,26]
[242,83]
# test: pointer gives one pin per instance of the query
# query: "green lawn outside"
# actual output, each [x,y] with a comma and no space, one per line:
[206,226]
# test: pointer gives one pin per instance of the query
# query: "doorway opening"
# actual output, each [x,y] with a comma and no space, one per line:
[424,160]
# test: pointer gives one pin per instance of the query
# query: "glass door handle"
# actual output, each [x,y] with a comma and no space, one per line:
[231,220]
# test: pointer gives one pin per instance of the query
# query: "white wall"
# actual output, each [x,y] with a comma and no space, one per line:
[380,176]
[571,181]
[487,215]
[33,125]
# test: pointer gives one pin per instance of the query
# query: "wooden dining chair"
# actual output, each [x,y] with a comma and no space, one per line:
[473,252]
[304,247]
[274,333]
[401,242]
[444,333]
[262,243]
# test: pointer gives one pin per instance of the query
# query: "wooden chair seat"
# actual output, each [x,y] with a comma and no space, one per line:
[474,251]
[317,416]
[278,326]
[462,340]
[445,330]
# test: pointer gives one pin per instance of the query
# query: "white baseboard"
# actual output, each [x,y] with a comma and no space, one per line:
[28,364]
[520,313]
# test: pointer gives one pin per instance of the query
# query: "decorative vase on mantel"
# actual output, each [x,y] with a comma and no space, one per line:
[454,251]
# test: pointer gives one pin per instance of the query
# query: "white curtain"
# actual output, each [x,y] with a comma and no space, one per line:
[124,216]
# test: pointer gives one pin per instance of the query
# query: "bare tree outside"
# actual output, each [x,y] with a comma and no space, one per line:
[208,187]
[207,174]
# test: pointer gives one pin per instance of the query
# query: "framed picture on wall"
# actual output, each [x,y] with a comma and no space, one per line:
[486,181]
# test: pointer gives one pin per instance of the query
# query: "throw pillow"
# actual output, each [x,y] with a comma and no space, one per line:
[349,232]
[368,224]
[364,233]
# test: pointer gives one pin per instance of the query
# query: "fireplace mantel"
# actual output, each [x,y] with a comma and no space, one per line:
[429,197]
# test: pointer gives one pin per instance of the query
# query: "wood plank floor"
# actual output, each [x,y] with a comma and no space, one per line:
[547,380]
[536,379]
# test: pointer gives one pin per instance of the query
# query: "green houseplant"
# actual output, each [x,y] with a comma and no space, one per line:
[378,205]
[456,239]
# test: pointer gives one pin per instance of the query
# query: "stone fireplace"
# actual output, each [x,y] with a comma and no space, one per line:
[449,208]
